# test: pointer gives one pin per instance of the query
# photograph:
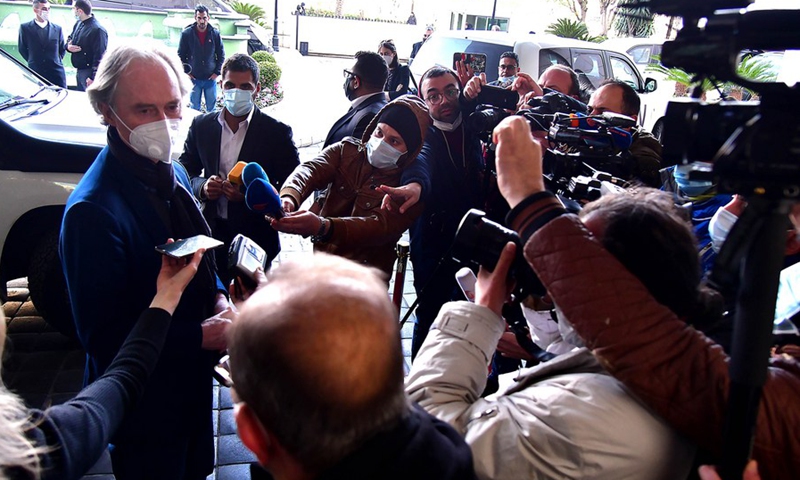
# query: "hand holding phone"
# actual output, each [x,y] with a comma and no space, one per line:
[474,61]
[188,246]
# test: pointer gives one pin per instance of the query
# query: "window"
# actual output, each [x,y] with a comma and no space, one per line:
[622,70]
[589,67]
[548,58]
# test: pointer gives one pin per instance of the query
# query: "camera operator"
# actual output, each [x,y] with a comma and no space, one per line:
[617,96]
[636,336]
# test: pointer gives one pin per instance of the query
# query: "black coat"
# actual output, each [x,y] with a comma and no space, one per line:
[93,40]
[44,52]
[201,61]
[268,142]
[399,81]
[355,121]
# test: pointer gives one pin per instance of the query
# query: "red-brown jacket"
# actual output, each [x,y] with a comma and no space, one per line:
[361,230]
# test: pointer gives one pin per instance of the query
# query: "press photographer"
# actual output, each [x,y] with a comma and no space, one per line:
[684,376]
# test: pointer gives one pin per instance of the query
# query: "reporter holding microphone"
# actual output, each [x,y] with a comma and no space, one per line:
[64,441]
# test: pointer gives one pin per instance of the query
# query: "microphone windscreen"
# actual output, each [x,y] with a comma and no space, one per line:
[261,197]
[235,175]
[251,172]
[621,138]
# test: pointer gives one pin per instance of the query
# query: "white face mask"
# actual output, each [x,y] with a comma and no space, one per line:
[154,140]
[567,332]
[237,101]
[45,14]
[447,127]
[388,59]
[382,155]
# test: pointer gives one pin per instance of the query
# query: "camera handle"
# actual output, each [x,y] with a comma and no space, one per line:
[752,337]
[512,313]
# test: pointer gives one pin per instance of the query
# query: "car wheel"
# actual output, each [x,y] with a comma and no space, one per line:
[48,287]
[658,130]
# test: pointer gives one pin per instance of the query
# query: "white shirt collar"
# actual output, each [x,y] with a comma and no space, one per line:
[41,24]
[363,98]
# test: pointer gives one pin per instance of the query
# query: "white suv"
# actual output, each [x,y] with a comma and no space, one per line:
[48,138]
[591,61]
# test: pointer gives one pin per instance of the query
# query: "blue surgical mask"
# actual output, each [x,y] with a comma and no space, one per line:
[690,188]
[237,101]
[382,155]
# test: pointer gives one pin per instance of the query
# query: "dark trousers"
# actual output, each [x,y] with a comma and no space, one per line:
[165,456]
[441,288]
[80,76]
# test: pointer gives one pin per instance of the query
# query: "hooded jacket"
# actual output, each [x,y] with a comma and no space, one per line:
[360,229]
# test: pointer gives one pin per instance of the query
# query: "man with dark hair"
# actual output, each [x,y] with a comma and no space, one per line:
[41,44]
[202,54]
[239,132]
[415,48]
[87,43]
[363,86]
[507,69]
[640,338]
[311,411]
[447,178]
[561,419]
[619,97]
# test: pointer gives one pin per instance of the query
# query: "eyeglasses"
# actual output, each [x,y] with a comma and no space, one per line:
[348,73]
[507,67]
[436,98]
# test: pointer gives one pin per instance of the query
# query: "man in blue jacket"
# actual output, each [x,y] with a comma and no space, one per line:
[41,44]
[131,199]
[202,54]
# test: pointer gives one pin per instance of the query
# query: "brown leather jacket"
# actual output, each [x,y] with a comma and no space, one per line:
[669,365]
[361,230]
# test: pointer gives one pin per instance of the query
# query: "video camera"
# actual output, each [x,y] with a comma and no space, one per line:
[749,149]
[589,149]
[748,144]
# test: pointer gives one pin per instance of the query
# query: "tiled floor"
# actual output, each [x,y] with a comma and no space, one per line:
[46,368]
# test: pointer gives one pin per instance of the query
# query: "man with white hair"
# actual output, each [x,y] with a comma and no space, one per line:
[131,199]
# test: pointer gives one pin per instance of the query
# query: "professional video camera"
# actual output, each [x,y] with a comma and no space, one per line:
[749,149]
[588,149]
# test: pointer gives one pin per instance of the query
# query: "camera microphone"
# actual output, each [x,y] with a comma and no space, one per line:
[261,197]
[251,172]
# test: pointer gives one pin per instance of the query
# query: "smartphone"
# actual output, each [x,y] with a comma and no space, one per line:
[187,246]
[475,60]
[498,97]
[222,371]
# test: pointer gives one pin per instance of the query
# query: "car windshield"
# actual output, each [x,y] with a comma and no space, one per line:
[441,49]
[17,82]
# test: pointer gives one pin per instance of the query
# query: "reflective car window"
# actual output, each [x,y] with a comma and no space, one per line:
[622,70]
[17,82]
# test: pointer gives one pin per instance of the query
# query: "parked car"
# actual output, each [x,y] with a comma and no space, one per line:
[48,138]
[591,61]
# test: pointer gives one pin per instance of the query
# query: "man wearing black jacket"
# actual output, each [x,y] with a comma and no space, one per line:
[319,390]
[239,132]
[87,43]
[41,44]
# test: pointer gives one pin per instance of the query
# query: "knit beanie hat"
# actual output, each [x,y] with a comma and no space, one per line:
[402,119]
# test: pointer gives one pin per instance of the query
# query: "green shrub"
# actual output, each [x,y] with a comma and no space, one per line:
[264,56]
[270,74]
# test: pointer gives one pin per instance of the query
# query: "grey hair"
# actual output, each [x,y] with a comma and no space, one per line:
[116,61]
[16,450]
